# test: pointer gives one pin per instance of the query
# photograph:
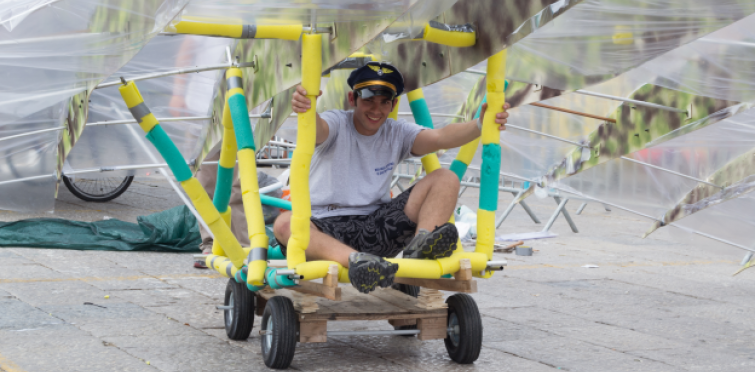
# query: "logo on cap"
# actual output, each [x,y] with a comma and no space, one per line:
[380,71]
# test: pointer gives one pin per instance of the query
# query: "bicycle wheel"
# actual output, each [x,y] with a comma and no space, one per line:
[97,189]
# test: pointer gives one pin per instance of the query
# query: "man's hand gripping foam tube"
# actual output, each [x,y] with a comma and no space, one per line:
[491,155]
[257,258]
[193,188]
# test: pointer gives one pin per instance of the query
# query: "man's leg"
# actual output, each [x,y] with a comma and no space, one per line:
[430,205]
[433,199]
[366,271]
[321,246]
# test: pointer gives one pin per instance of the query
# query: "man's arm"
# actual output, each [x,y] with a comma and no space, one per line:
[454,135]
[300,103]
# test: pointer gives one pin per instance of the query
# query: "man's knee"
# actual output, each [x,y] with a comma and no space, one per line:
[282,225]
[445,178]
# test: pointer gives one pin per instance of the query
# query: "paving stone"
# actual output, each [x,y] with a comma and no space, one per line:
[616,338]
[198,357]
[196,315]
[501,330]
[163,327]
[698,359]
[64,348]
[29,272]
[57,293]
[19,316]
[574,355]
[129,283]
[164,297]
[99,310]
[537,317]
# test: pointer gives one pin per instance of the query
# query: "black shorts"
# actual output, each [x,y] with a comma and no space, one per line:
[385,232]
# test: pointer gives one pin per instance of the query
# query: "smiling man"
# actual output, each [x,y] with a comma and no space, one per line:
[354,220]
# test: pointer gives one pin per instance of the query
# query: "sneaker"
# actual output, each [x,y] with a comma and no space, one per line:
[206,248]
[367,271]
[439,243]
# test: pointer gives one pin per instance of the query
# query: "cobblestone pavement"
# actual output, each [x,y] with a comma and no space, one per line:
[666,303]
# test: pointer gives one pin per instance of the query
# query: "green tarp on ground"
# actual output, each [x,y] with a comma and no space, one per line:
[173,230]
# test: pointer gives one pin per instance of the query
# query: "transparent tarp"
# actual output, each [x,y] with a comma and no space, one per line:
[717,65]
[598,39]
[172,97]
[284,12]
[51,51]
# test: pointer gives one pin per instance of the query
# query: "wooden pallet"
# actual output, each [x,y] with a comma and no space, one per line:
[318,303]
[313,312]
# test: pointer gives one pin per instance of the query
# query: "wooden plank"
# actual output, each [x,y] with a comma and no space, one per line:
[402,322]
[260,304]
[317,289]
[381,305]
[303,303]
[431,328]
[464,286]
[465,270]
[331,280]
[354,302]
[313,331]
[403,300]
[431,299]
[373,316]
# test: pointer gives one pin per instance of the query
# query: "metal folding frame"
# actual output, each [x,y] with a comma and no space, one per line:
[561,201]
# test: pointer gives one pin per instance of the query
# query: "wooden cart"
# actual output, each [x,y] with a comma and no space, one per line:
[302,313]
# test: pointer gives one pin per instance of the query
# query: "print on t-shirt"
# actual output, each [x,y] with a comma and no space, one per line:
[382,170]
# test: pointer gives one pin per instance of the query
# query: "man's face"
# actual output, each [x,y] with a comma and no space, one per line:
[370,113]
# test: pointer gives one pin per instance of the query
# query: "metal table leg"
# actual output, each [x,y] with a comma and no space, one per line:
[581,208]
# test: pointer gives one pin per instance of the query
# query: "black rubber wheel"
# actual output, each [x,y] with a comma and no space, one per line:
[97,190]
[411,290]
[239,320]
[464,338]
[279,340]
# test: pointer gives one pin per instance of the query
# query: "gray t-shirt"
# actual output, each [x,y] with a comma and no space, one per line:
[351,173]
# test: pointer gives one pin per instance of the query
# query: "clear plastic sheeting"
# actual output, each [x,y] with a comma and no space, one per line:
[731,221]
[13,12]
[30,156]
[444,99]
[411,25]
[178,96]
[653,192]
[28,171]
[50,52]
[599,39]
[299,12]
[720,65]
[69,46]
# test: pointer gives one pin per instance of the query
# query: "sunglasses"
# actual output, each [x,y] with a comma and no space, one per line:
[367,93]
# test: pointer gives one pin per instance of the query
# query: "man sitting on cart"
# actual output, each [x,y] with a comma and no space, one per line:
[354,220]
